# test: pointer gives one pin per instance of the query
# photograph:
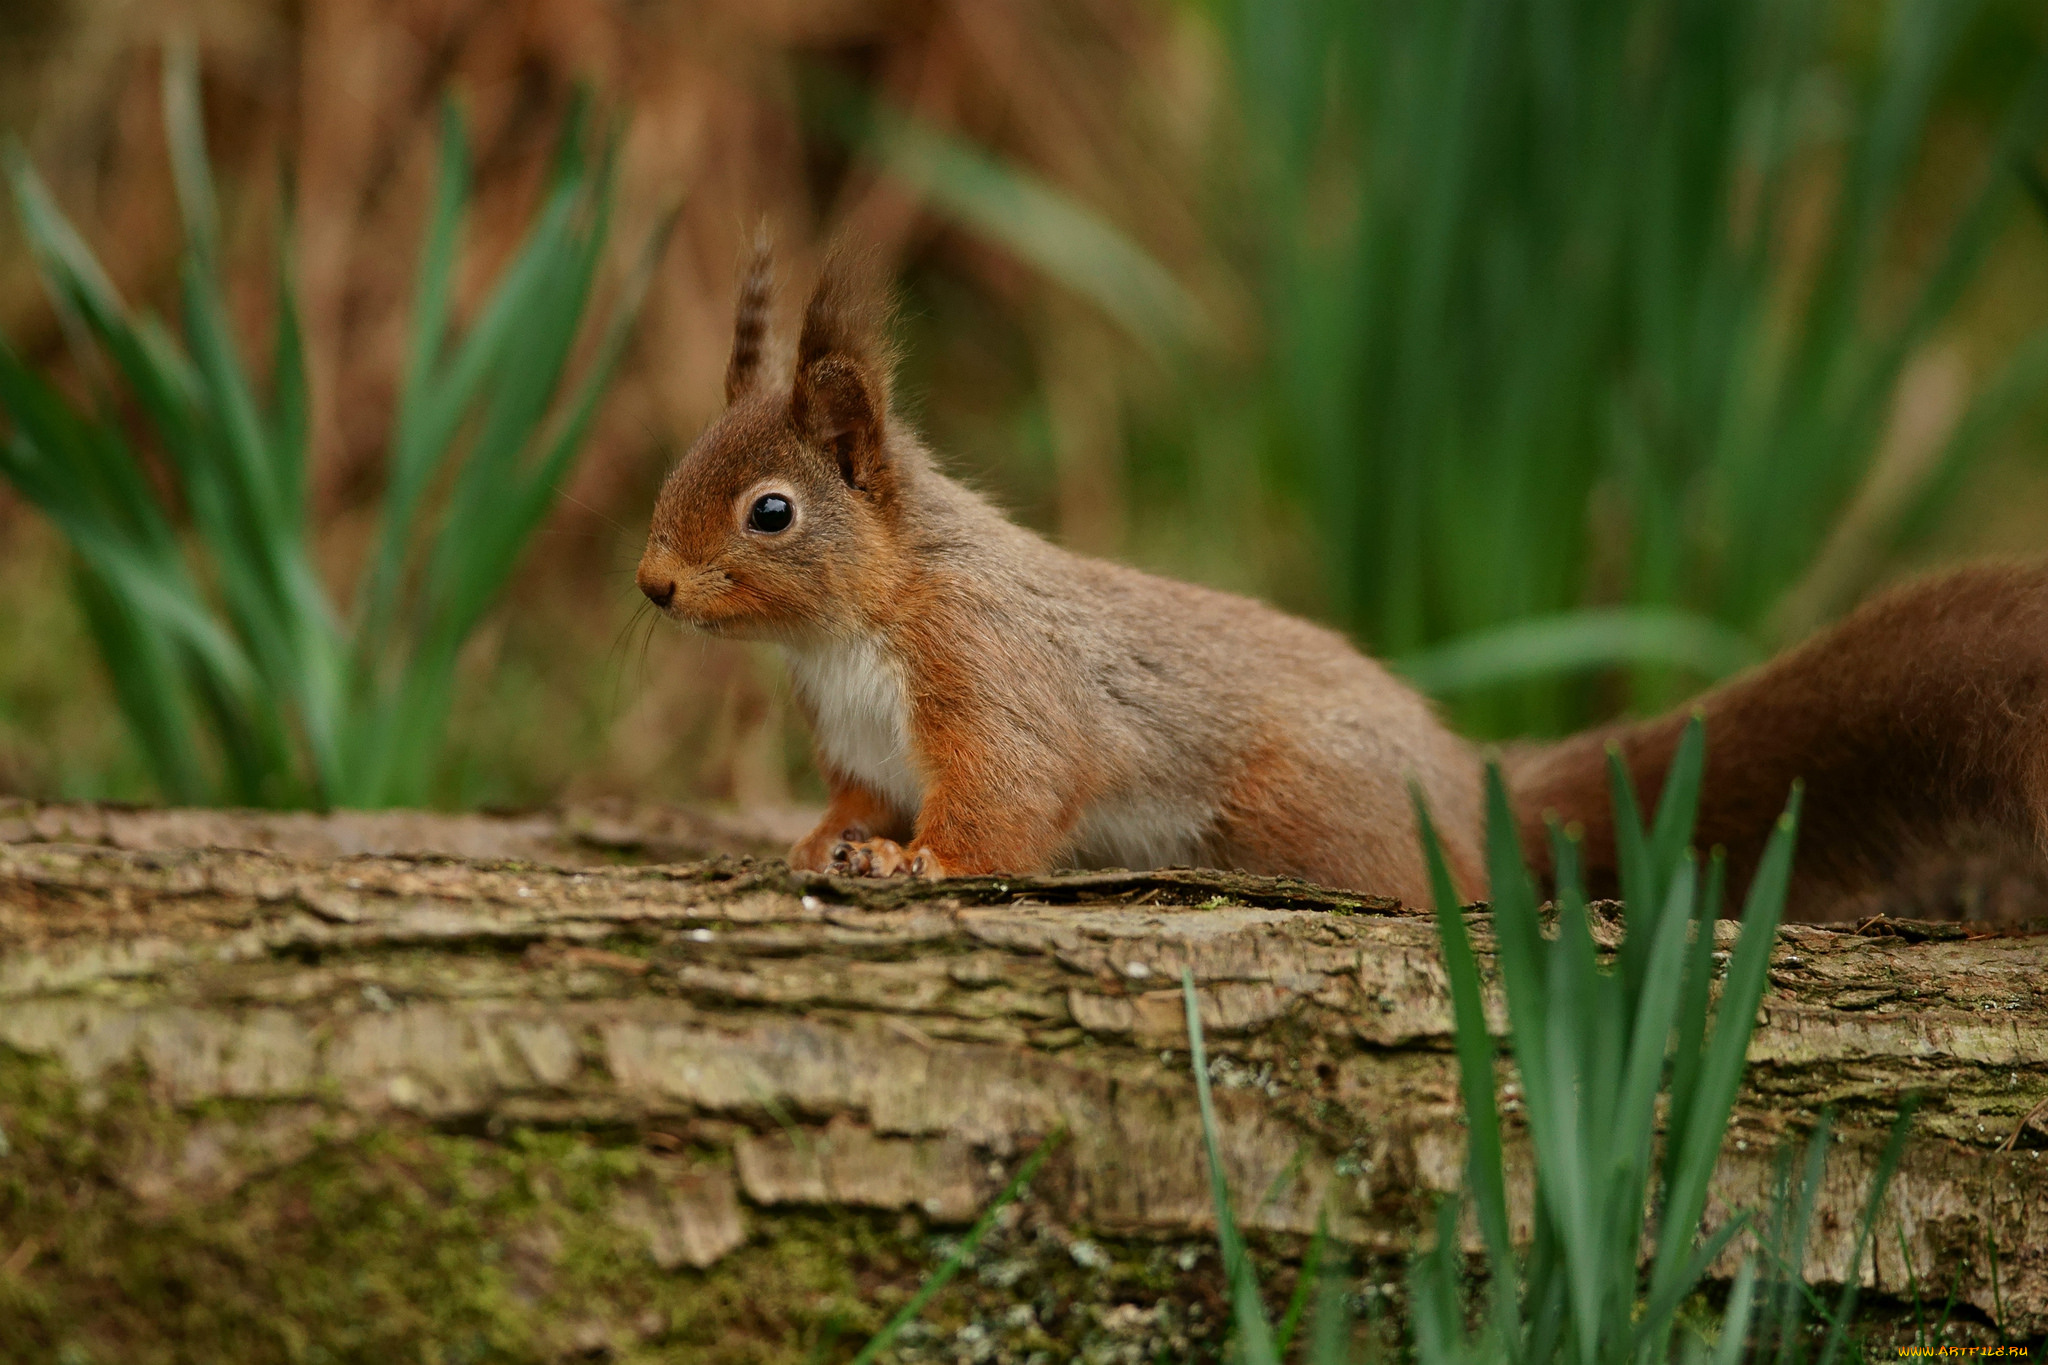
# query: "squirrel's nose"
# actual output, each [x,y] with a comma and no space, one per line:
[659,575]
[660,587]
[660,593]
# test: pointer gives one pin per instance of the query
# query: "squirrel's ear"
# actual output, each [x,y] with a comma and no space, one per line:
[750,321]
[840,397]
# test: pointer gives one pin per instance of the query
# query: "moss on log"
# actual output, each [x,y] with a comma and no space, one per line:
[260,1107]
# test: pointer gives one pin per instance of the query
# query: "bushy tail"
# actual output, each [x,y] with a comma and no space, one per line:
[1919,725]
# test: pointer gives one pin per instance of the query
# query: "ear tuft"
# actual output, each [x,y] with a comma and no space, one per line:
[750,319]
[840,396]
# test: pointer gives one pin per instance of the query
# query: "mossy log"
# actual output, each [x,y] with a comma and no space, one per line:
[263,1107]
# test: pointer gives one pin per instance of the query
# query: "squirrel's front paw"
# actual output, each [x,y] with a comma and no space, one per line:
[818,850]
[884,858]
[869,858]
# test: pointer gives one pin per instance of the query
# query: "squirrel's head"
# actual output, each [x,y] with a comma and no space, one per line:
[780,517]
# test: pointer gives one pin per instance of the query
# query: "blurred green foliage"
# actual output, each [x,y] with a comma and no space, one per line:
[239,678]
[1576,331]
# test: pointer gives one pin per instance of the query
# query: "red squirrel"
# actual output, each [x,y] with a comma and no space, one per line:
[984,701]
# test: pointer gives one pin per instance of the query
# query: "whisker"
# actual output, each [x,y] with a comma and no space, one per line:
[615,658]
[597,512]
[661,440]
[646,643]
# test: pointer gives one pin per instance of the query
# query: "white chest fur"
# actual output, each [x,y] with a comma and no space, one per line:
[855,691]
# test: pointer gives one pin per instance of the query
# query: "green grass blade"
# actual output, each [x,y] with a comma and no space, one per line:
[1852,1281]
[491,491]
[1579,641]
[168,389]
[494,334]
[529,375]
[273,593]
[162,380]
[1693,1011]
[1329,1330]
[1713,1098]
[1522,949]
[1041,224]
[110,512]
[1784,1317]
[428,445]
[58,461]
[938,1279]
[74,468]
[1254,1332]
[1545,1294]
[573,423]
[237,422]
[1918,38]
[1679,805]
[1633,861]
[480,548]
[1655,1020]
[148,688]
[2032,180]
[256,652]
[316,636]
[1735,1321]
[1661,1306]
[494,495]
[161,593]
[1306,1281]
[570,164]
[483,526]
[1971,238]
[1559,1121]
[1436,1316]
[416,446]
[1677,811]
[185,130]
[61,252]
[433,301]
[1522,264]
[288,424]
[1913,1284]
[1485,1173]
[496,330]
[394,739]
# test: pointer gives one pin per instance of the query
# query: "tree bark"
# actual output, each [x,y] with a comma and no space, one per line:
[216,1056]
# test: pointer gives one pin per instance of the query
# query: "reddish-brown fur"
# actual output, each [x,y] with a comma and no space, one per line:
[1919,725]
[986,702]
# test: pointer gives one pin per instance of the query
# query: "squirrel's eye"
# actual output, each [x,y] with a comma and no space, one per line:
[771,513]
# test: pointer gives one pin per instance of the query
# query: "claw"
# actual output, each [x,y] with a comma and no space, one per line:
[873,858]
